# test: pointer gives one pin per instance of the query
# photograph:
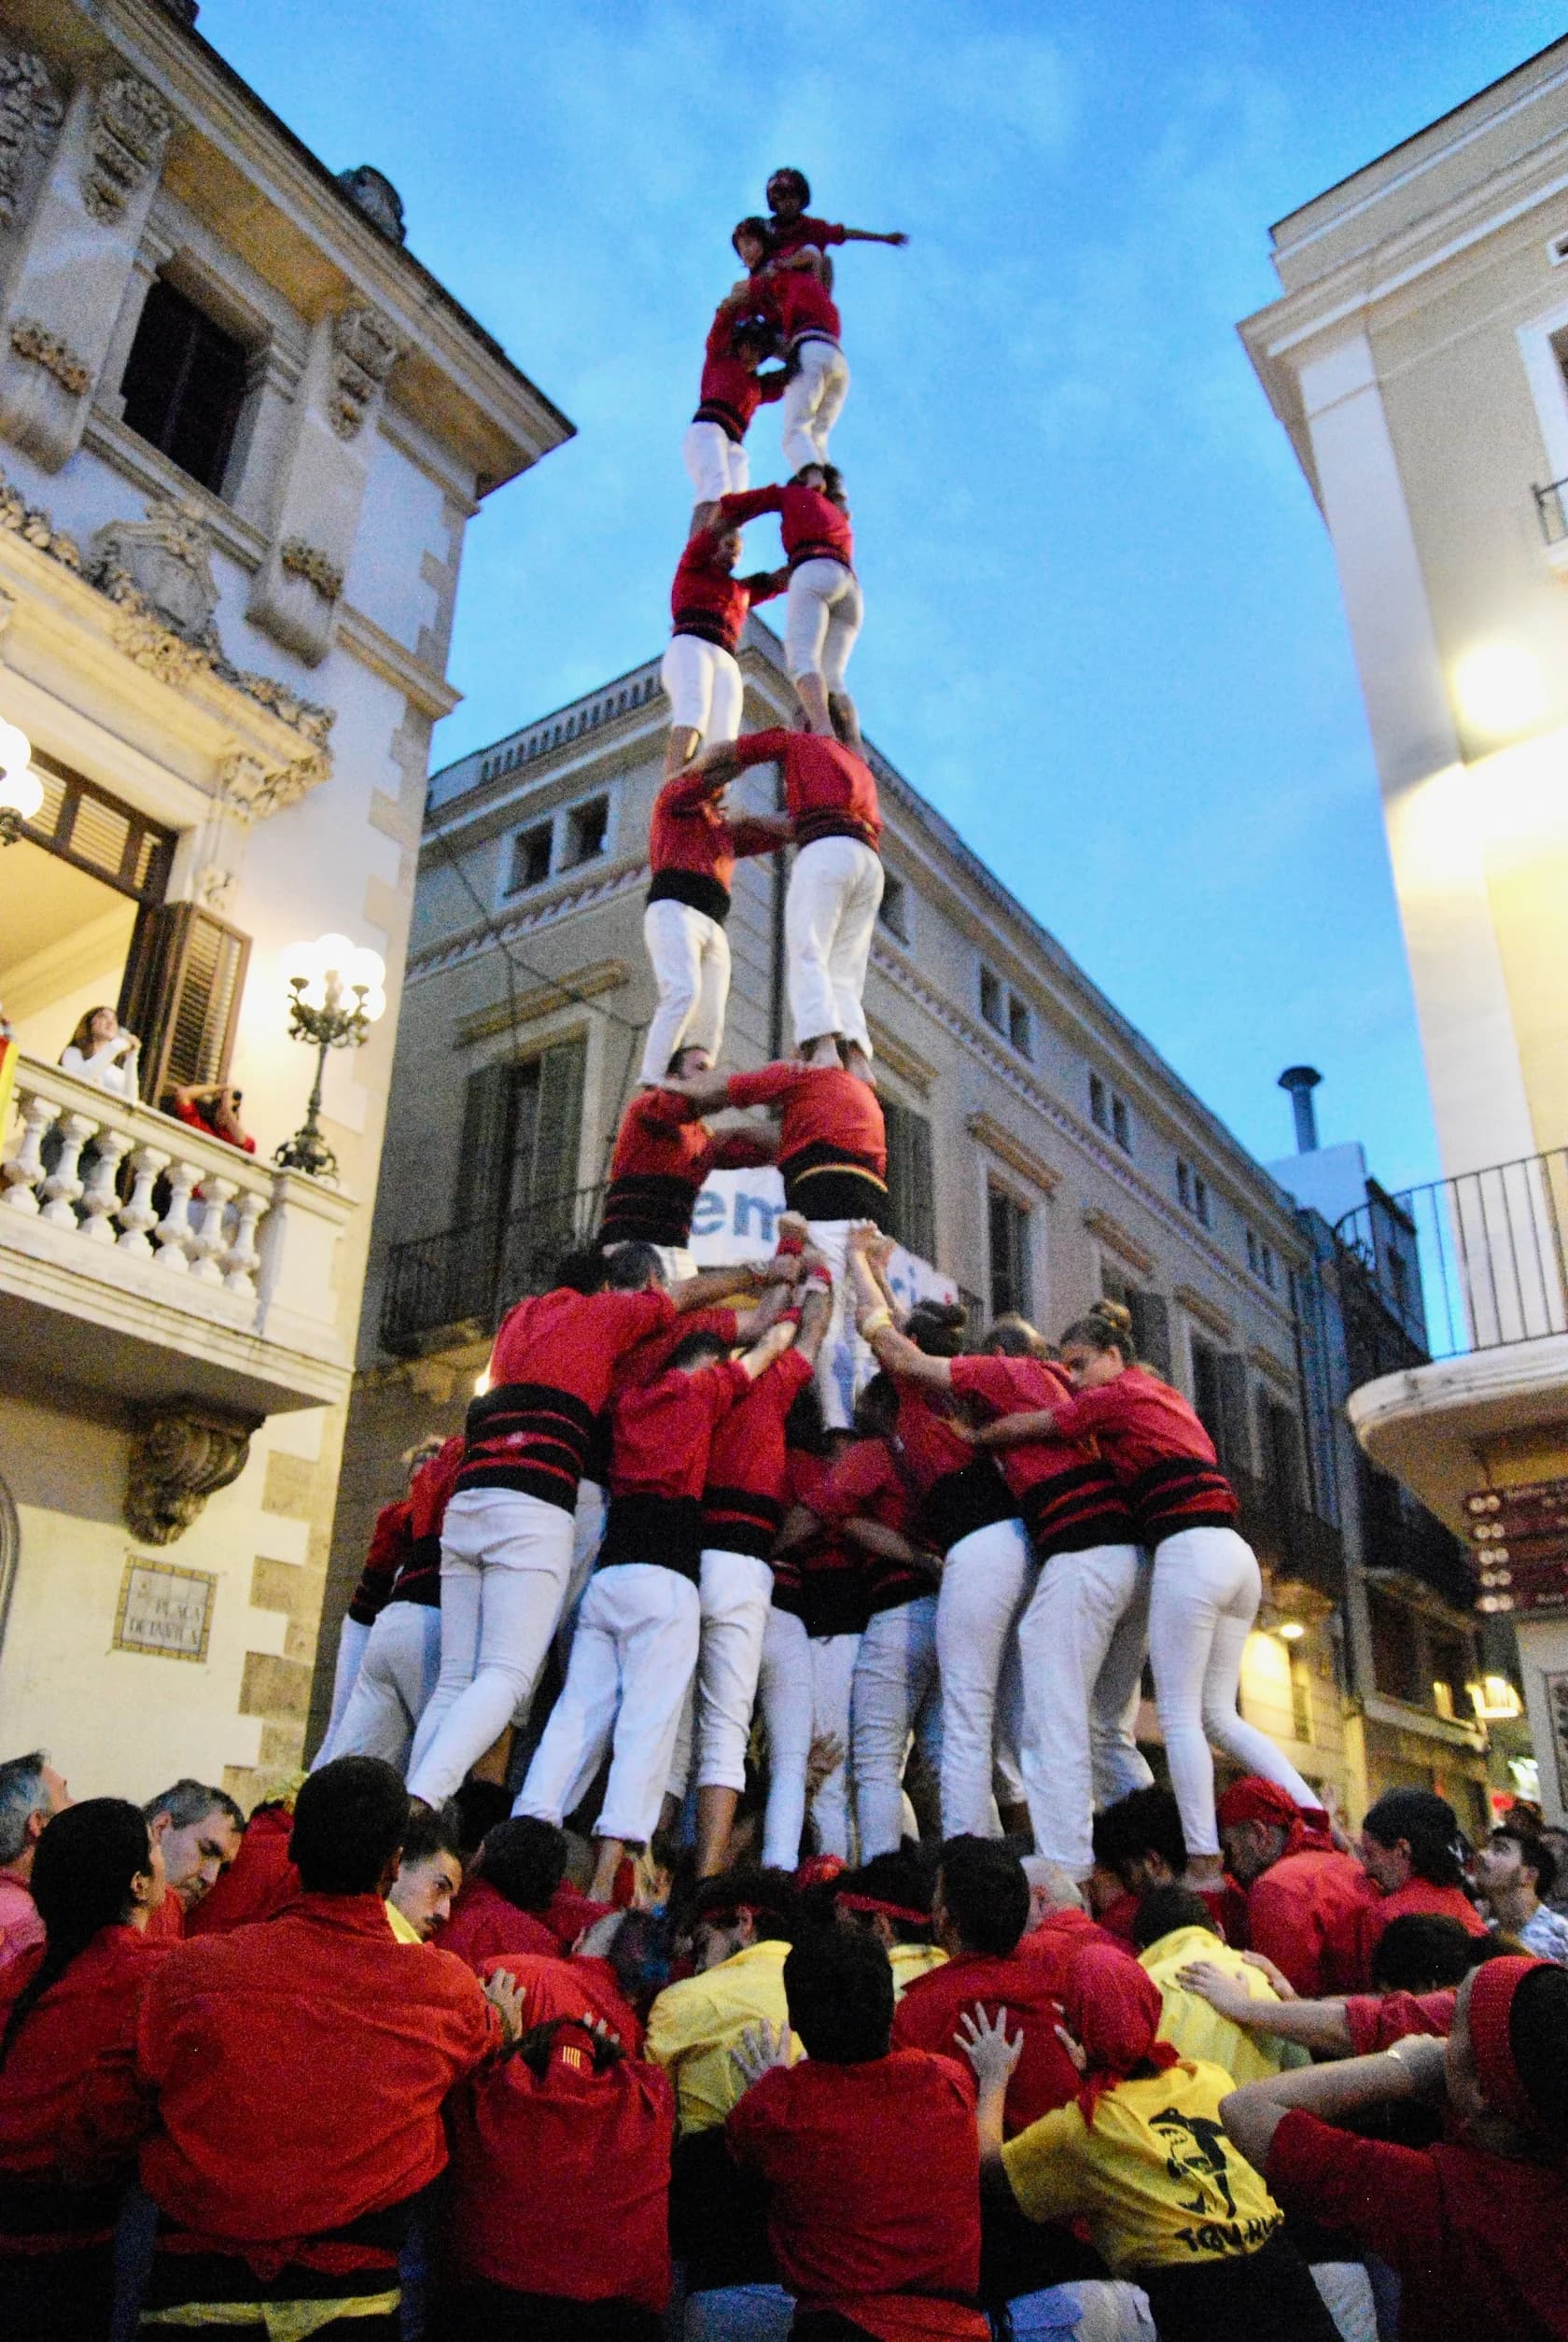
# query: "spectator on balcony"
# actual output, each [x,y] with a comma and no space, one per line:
[101,1051]
[199,1830]
[213,1107]
[1300,1889]
[31,1794]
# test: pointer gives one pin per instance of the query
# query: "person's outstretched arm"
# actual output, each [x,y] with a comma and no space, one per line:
[1415,2069]
[869,235]
[1318,2025]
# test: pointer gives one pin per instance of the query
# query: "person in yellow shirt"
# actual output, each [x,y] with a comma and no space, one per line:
[1172,1928]
[1143,2156]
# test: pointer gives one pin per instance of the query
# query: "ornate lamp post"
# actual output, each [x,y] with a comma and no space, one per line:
[21,792]
[336,996]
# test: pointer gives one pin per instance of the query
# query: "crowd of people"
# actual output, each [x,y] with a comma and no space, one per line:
[730,1898]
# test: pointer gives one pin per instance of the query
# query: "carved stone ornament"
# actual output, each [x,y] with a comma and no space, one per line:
[365,349]
[213,886]
[30,339]
[304,561]
[178,1462]
[30,115]
[372,191]
[249,791]
[130,129]
[167,562]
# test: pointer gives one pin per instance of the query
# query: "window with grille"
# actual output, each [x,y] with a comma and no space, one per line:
[184,385]
[1008,1226]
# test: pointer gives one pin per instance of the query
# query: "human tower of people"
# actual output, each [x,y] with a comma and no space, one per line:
[831,2044]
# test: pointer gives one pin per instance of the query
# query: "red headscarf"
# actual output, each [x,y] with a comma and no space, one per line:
[1114,2007]
[1255,1798]
[1489,2014]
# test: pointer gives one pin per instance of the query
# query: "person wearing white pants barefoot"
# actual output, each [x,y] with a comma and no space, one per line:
[401,1658]
[693,848]
[636,1647]
[708,609]
[731,390]
[794,297]
[1207,1585]
[824,612]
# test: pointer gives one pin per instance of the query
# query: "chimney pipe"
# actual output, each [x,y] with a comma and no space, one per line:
[1301,1081]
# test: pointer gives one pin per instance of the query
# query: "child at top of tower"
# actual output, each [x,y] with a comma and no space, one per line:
[789,191]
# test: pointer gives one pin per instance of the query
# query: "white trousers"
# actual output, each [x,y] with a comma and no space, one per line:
[1081,1644]
[352,1638]
[823,614]
[895,1694]
[632,1659]
[804,1686]
[1205,1596]
[813,401]
[845,1363]
[735,1595]
[830,911]
[985,1581]
[506,1560]
[394,1687]
[715,464]
[690,956]
[704,687]
[588,1528]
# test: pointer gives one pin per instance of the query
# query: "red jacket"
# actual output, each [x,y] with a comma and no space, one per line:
[1056,1944]
[1158,1451]
[871,1483]
[260,1881]
[692,848]
[960,1490]
[928,2017]
[1299,1906]
[812,526]
[550,1376]
[711,601]
[664,1151]
[485,1926]
[1348,1953]
[747,1471]
[1068,1498]
[658,1466]
[236,2042]
[832,1143]
[388,1549]
[829,791]
[732,391]
[554,1986]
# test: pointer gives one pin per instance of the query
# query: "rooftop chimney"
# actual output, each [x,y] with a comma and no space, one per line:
[1301,1081]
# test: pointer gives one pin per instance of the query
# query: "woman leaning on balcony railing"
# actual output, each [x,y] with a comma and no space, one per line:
[101,1051]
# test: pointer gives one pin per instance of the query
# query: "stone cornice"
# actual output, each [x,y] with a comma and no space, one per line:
[1118,1239]
[1275,1368]
[1207,1312]
[547,907]
[998,1141]
[541,999]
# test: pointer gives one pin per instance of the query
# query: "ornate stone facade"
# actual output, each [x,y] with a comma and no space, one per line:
[34,342]
[166,562]
[178,1462]
[304,561]
[130,129]
[365,349]
[30,115]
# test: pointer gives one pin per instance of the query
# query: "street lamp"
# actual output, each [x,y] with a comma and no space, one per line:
[1501,688]
[21,792]
[335,997]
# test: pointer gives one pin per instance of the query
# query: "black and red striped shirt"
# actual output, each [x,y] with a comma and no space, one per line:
[643,1364]
[387,1552]
[823,1581]
[833,1145]
[664,1151]
[1067,1497]
[812,526]
[709,600]
[829,791]
[960,1488]
[549,1375]
[799,303]
[873,1483]
[1153,1442]
[660,1434]
[692,848]
[418,1577]
[748,1478]
[731,390]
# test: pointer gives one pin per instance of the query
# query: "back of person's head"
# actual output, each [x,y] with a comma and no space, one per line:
[525,1859]
[431,1832]
[1145,1822]
[23,1792]
[632,1268]
[899,1885]
[1428,1825]
[350,1821]
[84,1880]
[1051,1884]
[1014,1336]
[581,1272]
[770,1897]
[982,1890]
[804,1425]
[482,1806]
[693,1351]
[637,1947]
[1514,2014]
[839,1986]
[938,1327]
[1165,1909]
[876,1410]
[1421,1951]
[189,1801]
[1105,1325]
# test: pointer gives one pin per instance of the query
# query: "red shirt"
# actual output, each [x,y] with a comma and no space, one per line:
[812,526]
[664,1151]
[1377,2019]
[799,303]
[1348,1953]
[1298,1905]
[389,1550]
[1054,1945]
[1158,1451]
[485,1925]
[260,1881]
[418,1577]
[743,1498]
[928,2017]
[560,2184]
[549,1375]
[1480,2244]
[806,229]
[960,1490]
[658,1466]
[92,2008]
[830,1123]
[873,2182]
[167,1925]
[1068,1499]
[692,848]
[194,1119]
[829,791]
[869,1484]
[554,1986]
[709,600]
[823,1582]
[732,391]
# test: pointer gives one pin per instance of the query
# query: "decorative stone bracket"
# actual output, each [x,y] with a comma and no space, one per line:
[179,1459]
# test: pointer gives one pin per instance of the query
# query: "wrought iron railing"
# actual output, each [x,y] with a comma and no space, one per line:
[1489,1246]
[462,1282]
[1551,502]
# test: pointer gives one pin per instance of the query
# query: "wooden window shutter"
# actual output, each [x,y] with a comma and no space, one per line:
[910,1213]
[182,990]
[482,1161]
[1151,1329]
[1235,1441]
[559,1125]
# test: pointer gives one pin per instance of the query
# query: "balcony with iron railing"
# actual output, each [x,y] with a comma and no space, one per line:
[451,1289]
[147,1261]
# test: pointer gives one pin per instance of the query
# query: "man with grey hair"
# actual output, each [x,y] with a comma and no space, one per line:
[31,1794]
[199,1828]
[1059,1924]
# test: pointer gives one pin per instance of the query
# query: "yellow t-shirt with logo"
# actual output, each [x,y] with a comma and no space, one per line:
[695,2025]
[1199,2032]
[911,1961]
[1157,2179]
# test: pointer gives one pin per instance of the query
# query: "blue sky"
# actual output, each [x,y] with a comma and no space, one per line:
[1103,631]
